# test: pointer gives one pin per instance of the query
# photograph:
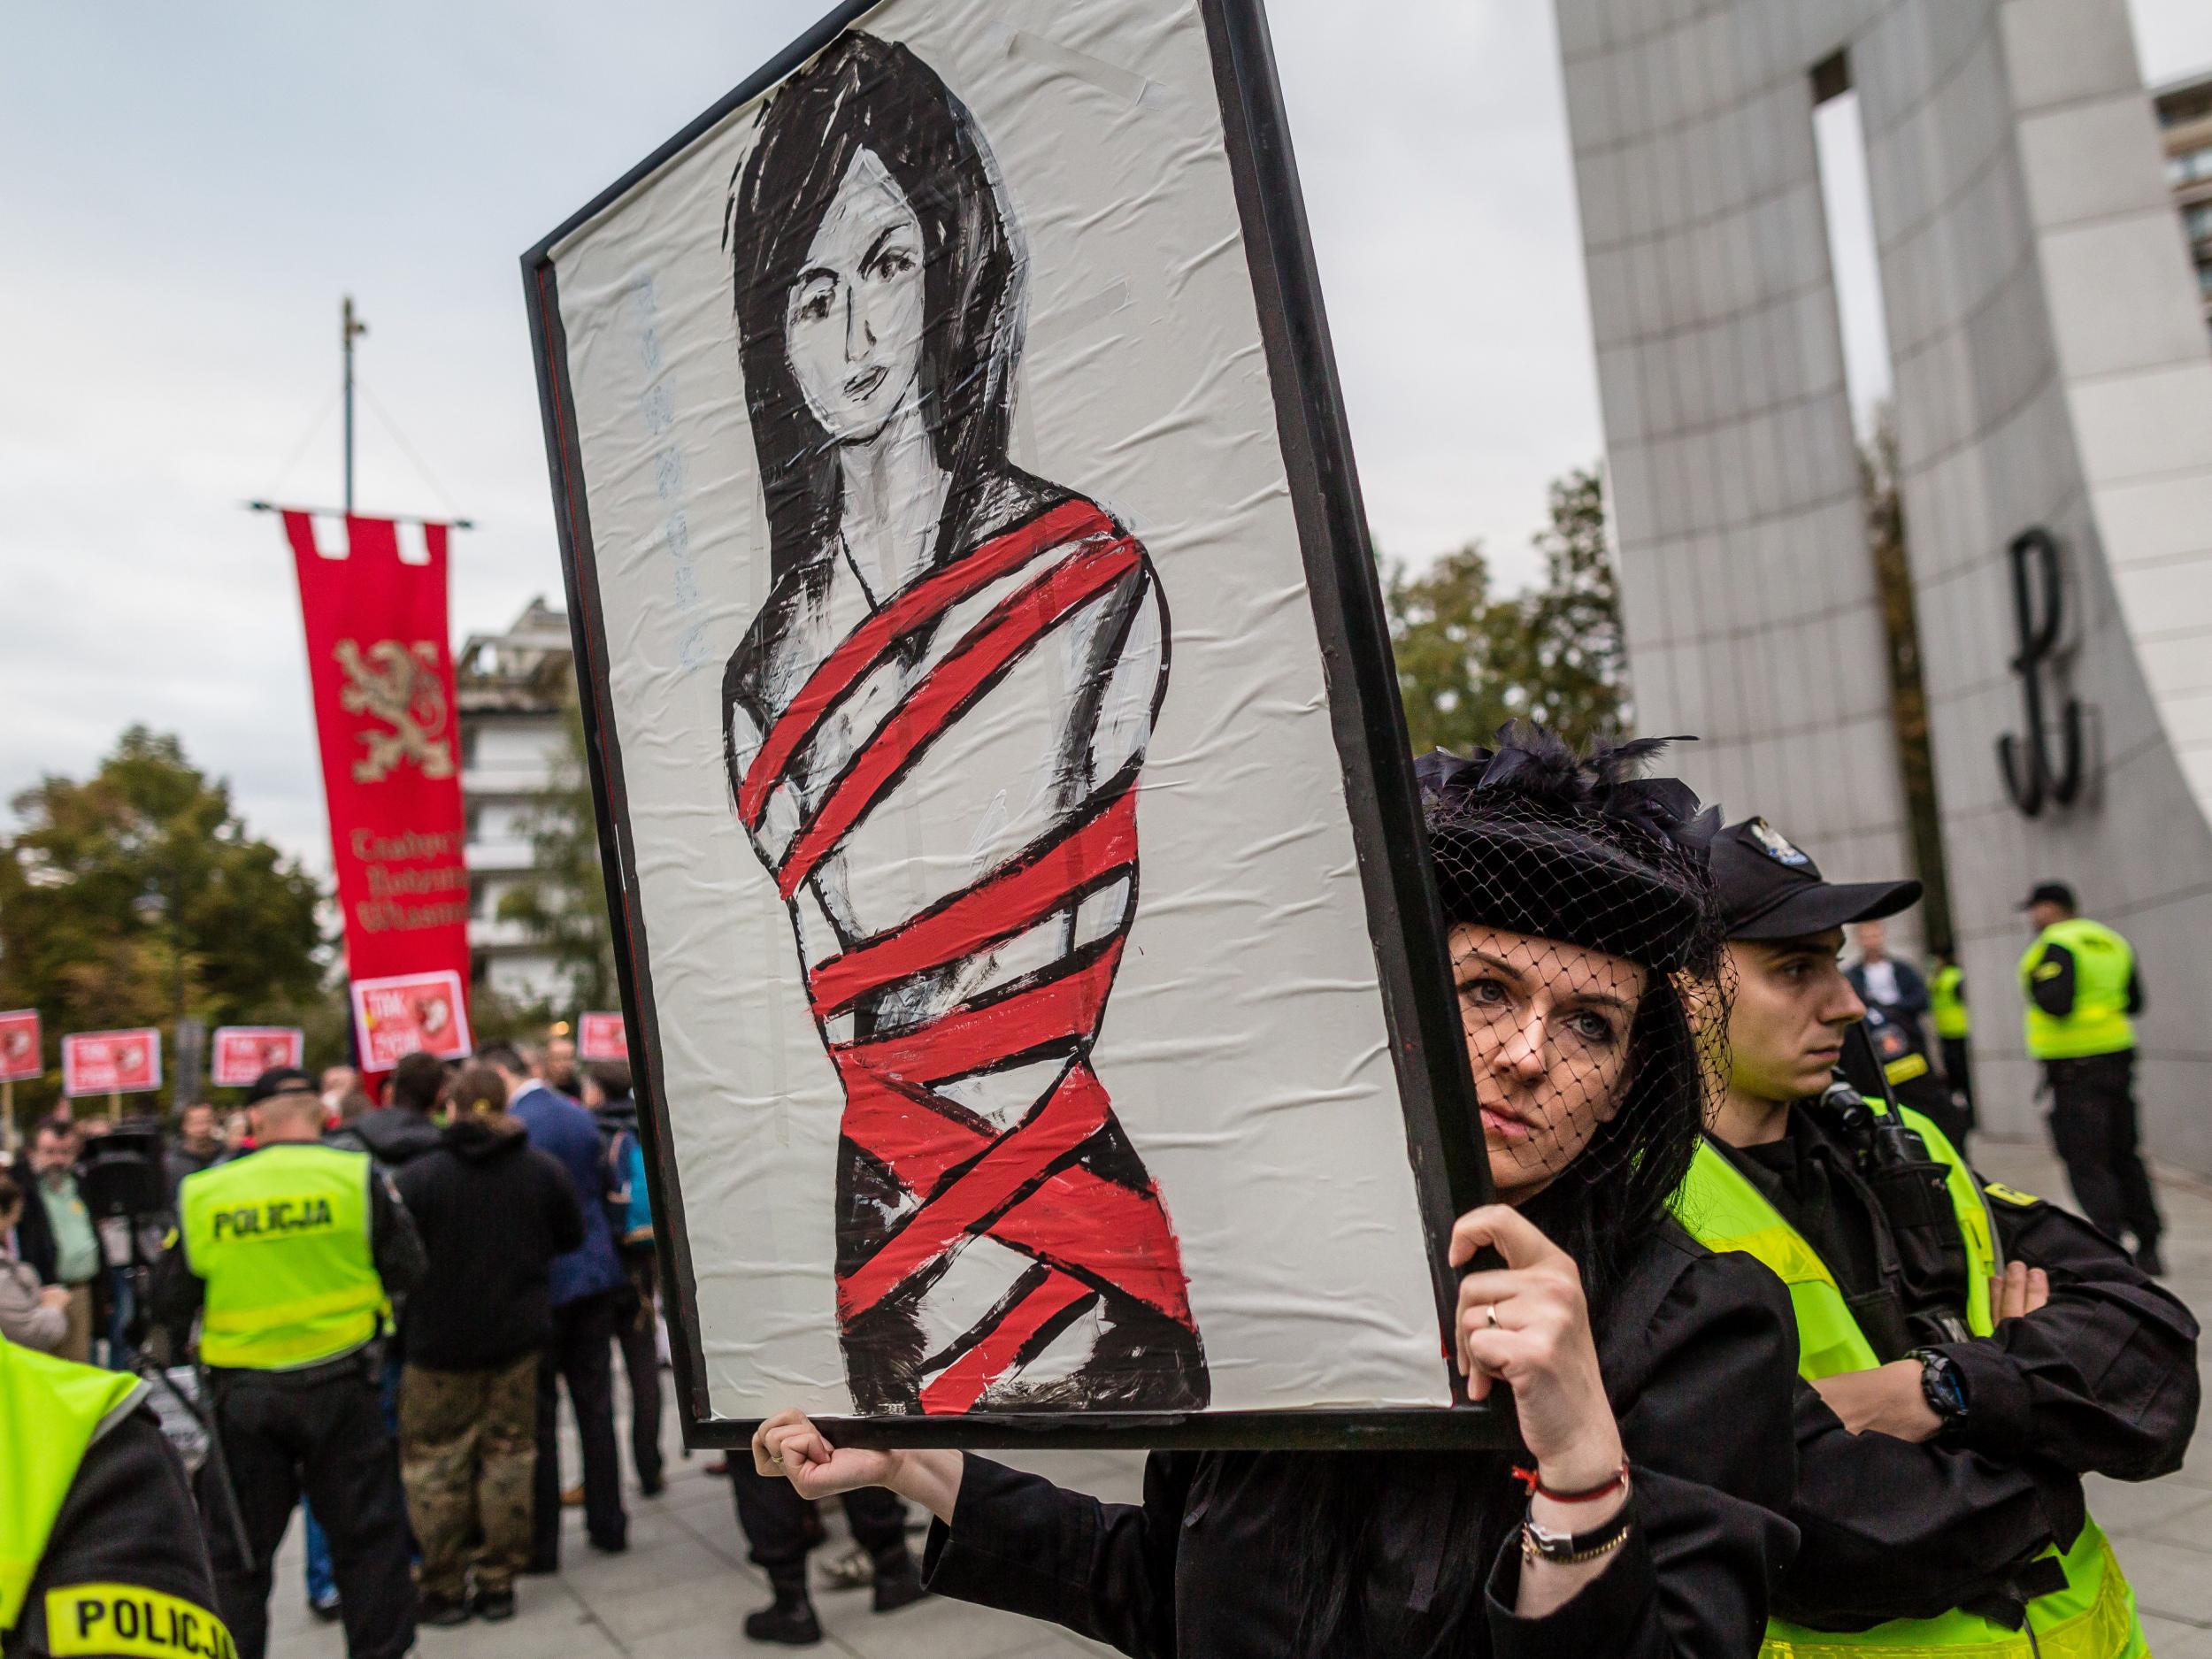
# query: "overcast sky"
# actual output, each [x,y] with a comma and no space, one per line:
[189,190]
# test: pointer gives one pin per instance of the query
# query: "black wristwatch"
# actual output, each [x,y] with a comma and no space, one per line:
[1942,1385]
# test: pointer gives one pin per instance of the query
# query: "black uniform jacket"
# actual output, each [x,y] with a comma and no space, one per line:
[1698,1353]
[2101,1379]
[127,1532]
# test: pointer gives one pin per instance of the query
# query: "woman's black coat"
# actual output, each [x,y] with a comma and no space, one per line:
[1700,1356]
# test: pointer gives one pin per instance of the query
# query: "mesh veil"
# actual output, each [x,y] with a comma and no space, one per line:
[1586,953]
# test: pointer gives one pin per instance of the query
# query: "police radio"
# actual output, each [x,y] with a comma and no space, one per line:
[1912,1189]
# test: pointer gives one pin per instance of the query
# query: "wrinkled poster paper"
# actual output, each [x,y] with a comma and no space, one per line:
[1017,1015]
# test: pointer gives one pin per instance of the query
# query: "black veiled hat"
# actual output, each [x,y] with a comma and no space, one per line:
[1532,837]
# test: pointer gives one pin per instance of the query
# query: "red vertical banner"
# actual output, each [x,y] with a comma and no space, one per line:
[379,659]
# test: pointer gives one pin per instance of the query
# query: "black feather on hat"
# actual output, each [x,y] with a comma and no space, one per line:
[1533,838]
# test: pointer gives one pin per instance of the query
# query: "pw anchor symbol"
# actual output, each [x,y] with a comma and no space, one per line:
[2031,778]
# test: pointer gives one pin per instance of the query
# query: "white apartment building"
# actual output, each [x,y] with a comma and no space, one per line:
[513,688]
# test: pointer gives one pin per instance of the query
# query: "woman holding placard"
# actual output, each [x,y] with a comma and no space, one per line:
[1583,951]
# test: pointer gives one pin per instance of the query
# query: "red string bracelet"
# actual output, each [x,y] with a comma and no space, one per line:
[1617,1482]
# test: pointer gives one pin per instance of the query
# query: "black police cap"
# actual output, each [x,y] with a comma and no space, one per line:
[279,1079]
[1769,888]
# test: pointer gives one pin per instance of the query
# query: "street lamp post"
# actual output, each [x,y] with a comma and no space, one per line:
[154,906]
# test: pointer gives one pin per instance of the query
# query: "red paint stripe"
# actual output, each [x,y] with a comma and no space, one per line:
[968,1040]
[1078,1219]
[914,1141]
[961,1384]
[996,910]
[864,647]
[1076,1111]
[929,707]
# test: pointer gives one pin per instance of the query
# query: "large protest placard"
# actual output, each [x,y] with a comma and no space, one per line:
[1032,968]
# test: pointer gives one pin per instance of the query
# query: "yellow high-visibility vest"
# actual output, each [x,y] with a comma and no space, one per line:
[2103,964]
[280,1238]
[50,1412]
[1945,1007]
[2093,1616]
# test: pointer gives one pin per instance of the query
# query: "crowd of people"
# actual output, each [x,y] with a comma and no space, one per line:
[460,1251]
[1788,1373]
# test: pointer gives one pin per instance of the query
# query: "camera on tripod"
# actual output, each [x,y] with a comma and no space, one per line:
[122,1184]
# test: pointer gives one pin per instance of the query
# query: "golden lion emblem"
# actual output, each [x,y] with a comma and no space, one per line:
[398,684]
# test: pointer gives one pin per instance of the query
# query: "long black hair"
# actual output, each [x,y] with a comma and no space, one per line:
[1533,838]
[864,94]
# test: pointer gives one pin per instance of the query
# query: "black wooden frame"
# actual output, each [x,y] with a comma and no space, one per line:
[1450,1168]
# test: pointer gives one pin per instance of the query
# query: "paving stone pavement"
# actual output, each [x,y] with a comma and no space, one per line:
[683,1588]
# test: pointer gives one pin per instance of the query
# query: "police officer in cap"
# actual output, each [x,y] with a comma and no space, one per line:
[1971,1351]
[2083,991]
[289,1255]
[100,1551]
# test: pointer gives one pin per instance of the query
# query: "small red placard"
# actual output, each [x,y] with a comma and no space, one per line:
[601,1037]
[410,1013]
[110,1061]
[19,1057]
[243,1053]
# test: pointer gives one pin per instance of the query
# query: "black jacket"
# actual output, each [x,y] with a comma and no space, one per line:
[177,1162]
[129,1519]
[393,1135]
[33,1233]
[493,1211]
[2103,1379]
[1698,1353]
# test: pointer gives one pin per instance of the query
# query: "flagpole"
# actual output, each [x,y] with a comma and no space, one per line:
[333,513]
[349,327]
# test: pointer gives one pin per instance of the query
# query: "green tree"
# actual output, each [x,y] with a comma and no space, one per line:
[138,895]
[1577,666]
[1469,660]
[562,904]
[1450,638]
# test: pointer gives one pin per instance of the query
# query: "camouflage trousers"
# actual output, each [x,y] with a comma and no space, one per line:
[467,1452]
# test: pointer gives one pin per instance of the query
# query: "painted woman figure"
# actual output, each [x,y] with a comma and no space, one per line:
[934,731]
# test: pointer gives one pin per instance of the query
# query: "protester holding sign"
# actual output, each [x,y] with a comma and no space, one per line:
[1580,906]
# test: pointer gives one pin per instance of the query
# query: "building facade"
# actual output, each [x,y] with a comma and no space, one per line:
[2053,408]
[2185,121]
[514,690]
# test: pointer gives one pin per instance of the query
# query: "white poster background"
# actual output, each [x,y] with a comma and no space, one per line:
[1244,1046]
